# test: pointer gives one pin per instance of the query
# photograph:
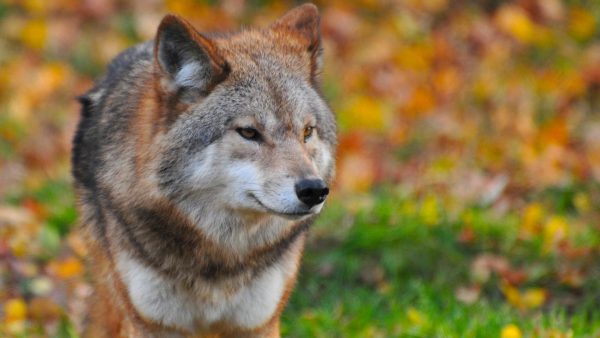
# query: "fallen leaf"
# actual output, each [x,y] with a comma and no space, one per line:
[582,23]
[363,113]
[555,230]
[511,331]
[531,298]
[15,310]
[531,223]
[68,268]
[513,20]
[44,309]
[534,298]
[33,34]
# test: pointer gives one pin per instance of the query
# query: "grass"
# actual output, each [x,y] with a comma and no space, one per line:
[389,264]
[392,272]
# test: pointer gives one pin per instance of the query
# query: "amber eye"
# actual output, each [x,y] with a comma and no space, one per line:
[249,133]
[308,131]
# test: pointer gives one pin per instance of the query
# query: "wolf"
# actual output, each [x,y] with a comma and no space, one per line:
[199,163]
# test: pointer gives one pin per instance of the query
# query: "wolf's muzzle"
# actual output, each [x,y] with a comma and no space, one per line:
[311,191]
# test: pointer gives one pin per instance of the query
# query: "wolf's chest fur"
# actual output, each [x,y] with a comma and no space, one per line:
[164,301]
[199,163]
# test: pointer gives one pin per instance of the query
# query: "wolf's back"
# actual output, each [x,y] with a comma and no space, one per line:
[111,99]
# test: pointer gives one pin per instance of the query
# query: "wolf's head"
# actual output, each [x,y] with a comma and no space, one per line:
[247,131]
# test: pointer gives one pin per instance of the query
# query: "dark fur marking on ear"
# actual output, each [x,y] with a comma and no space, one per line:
[190,59]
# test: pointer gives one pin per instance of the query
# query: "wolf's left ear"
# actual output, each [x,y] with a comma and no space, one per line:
[304,21]
[186,58]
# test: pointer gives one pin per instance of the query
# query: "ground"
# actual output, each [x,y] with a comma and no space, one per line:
[467,196]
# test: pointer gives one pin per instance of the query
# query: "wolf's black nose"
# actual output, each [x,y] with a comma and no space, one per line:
[311,192]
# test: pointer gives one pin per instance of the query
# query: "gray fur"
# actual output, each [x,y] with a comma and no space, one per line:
[196,202]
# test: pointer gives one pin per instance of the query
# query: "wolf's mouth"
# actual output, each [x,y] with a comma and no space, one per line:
[290,215]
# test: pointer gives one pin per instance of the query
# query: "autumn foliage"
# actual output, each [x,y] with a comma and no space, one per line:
[468,110]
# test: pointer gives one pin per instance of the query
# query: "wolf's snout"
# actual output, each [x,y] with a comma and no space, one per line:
[311,191]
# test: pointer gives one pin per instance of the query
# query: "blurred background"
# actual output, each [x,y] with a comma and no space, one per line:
[467,200]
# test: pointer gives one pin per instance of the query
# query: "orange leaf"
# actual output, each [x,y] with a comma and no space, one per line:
[70,267]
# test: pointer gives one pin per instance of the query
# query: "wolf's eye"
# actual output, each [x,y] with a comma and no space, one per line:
[308,131]
[249,133]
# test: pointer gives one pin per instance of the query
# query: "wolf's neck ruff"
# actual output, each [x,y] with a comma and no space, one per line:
[200,161]
[161,237]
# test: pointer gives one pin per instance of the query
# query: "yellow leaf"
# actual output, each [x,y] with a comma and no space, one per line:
[511,331]
[532,218]
[534,298]
[529,299]
[513,296]
[15,310]
[415,316]
[573,83]
[363,112]
[19,245]
[35,6]
[429,210]
[582,23]
[515,21]
[555,230]
[33,34]
[190,8]
[179,7]
[418,57]
[582,202]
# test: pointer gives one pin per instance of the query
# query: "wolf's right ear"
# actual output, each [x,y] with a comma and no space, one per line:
[304,21]
[187,59]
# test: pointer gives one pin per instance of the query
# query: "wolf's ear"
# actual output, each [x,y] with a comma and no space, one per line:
[304,21]
[186,58]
